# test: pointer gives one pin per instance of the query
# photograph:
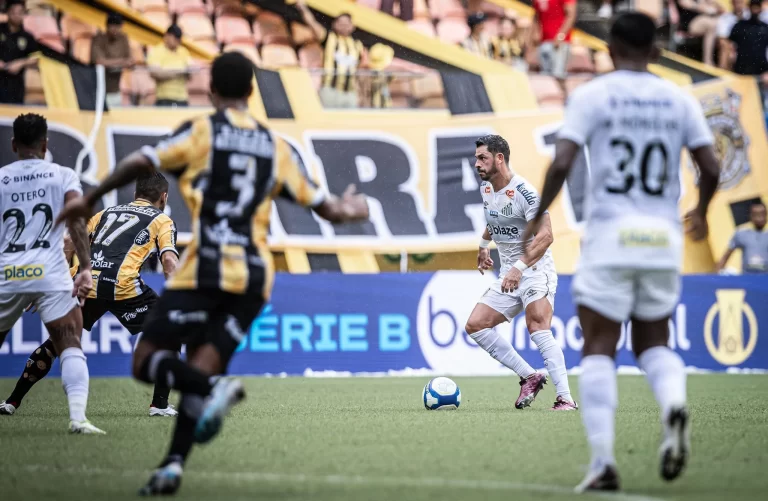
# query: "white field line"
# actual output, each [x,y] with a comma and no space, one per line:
[345,480]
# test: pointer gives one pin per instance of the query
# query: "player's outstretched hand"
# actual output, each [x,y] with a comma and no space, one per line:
[697,226]
[77,208]
[511,280]
[82,286]
[356,204]
[484,261]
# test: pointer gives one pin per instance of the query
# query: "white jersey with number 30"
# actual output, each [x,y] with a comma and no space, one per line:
[31,249]
[635,126]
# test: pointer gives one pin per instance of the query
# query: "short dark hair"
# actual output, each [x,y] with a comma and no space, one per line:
[151,186]
[175,31]
[495,144]
[11,3]
[30,129]
[114,19]
[343,14]
[231,75]
[757,203]
[634,32]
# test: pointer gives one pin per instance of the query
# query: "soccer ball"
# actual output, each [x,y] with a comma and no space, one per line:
[440,394]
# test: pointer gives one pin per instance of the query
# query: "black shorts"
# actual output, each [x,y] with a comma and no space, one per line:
[199,317]
[132,313]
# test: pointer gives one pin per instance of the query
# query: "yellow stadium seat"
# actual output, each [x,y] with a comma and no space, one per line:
[278,56]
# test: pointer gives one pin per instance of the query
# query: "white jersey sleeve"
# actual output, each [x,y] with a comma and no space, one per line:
[71,181]
[697,131]
[580,116]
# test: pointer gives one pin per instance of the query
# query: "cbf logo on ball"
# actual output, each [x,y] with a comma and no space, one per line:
[444,308]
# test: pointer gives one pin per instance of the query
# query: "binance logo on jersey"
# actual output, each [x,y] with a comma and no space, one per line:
[28,272]
[98,261]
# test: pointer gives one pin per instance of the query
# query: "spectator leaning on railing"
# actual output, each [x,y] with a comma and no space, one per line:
[16,45]
[112,51]
[553,22]
[170,65]
[752,239]
[342,56]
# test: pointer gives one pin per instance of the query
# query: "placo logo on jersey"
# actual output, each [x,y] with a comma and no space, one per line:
[734,346]
[27,272]
[529,196]
[142,238]
[98,261]
[731,141]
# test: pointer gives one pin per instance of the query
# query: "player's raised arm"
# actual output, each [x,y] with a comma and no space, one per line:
[294,184]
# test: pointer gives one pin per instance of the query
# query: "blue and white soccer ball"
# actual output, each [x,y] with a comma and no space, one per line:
[441,394]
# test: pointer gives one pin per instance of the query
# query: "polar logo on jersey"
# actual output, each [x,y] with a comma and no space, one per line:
[529,196]
[98,261]
[507,210]
[28,272]
[142,238]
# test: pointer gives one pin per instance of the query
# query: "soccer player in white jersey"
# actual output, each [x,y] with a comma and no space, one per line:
[509,202]
[34,269]
[634,125]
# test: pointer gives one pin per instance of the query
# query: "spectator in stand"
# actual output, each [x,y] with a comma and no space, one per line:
[379,59]
[725,24]
[112,51]
[477,42]
[506,47]
[342,56]
[170,65]
[752,239]
[699,18]
[16,47]
[406,8]
[552,25]
[751,39]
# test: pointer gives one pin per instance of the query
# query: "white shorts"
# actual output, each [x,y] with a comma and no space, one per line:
[532,288]
[621,293]
[50,306]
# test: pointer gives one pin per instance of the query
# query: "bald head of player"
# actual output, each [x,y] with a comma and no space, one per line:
[30,136]
[491,157]
[632,41]
[231,77]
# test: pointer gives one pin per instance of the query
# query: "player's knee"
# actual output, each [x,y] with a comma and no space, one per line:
[477,324]
[536,323]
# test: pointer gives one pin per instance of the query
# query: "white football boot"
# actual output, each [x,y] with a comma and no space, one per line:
[227,393]
[84,428]
[6,409]
[169,411]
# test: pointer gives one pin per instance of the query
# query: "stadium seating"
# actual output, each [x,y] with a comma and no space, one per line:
[199,86]
[160,18]
[187,7]
[270,28]
[248,49]
[453,30]
[311,56]
[423,26]
[146,6]
[373,4]
[428,91]
[301,34]
[74,29]
[278,56]
[447,9]
[45,30]
[231,29]
[580,60]
[546,89]
[196,26]
[81,50]
[34,87]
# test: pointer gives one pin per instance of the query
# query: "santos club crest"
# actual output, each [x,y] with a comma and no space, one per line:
[731,142]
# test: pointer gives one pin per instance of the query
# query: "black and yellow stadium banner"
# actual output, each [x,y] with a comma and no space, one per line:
[417,167]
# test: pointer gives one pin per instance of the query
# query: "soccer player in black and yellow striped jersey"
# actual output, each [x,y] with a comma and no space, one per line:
[230,168]
[122,238]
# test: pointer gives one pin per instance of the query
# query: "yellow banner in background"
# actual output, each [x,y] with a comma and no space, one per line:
[428,200]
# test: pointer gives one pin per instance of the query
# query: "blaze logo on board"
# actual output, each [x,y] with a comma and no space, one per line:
[731,141]
[733,346]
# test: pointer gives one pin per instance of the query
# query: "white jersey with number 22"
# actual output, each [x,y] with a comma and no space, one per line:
[634,125]
[31,248]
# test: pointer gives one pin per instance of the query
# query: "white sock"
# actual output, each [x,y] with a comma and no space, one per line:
[501,349]
[554,361]
[665,372]
[74,379]
[599,397]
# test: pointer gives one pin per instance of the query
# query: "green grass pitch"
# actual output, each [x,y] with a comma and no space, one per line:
[360,439]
